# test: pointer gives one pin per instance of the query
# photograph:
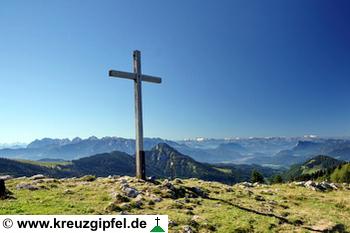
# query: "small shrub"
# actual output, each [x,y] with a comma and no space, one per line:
[277,179]
[257,177]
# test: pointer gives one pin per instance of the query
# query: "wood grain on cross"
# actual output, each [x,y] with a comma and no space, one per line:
[138,77]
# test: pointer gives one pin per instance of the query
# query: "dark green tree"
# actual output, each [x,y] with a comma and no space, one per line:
[341,174]
[277,179]
[257,177]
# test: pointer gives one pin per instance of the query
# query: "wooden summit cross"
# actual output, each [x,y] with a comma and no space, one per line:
[138,78]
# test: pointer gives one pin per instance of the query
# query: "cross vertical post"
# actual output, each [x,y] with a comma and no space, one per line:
[138,77]
[140,154]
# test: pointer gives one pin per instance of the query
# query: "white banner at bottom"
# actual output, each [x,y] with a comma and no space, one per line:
[83,223]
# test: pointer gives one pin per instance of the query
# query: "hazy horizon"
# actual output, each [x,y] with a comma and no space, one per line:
[183,139]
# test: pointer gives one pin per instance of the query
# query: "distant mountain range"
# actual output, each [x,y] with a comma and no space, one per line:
[267,145]
[336,148]
[66,149]
[273,151]
[162,161]
[12,145]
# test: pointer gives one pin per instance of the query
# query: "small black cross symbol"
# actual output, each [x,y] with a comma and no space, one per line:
[157,219]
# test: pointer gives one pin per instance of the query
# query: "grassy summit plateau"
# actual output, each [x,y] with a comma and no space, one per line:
[193,205]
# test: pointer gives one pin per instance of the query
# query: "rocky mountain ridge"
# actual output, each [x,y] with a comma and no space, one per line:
[275,151]
[161,161]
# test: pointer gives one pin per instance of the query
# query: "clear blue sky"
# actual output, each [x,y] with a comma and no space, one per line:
[229,68]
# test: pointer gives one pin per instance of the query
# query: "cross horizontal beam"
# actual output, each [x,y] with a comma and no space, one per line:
[132,76]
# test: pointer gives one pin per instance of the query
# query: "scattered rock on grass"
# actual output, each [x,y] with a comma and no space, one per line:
[38,181]
[246,185]
[257,184]
[272,202]
[37,177]
[26,186]
[131,192]
[329,227]
[198,191]
[198,218]
[178,181]
[125,206]
[151,179]
[124,212]
[168,185]
[137,204]
[139,198]
[334,186]
[267,192]
[187,229]
[172,223]
[68,191]
[6,177]
[317,186]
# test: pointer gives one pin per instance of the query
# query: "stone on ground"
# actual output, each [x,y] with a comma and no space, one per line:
[37,177]
[26,186]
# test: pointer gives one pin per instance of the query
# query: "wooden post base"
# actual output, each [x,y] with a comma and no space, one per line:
[2,189]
